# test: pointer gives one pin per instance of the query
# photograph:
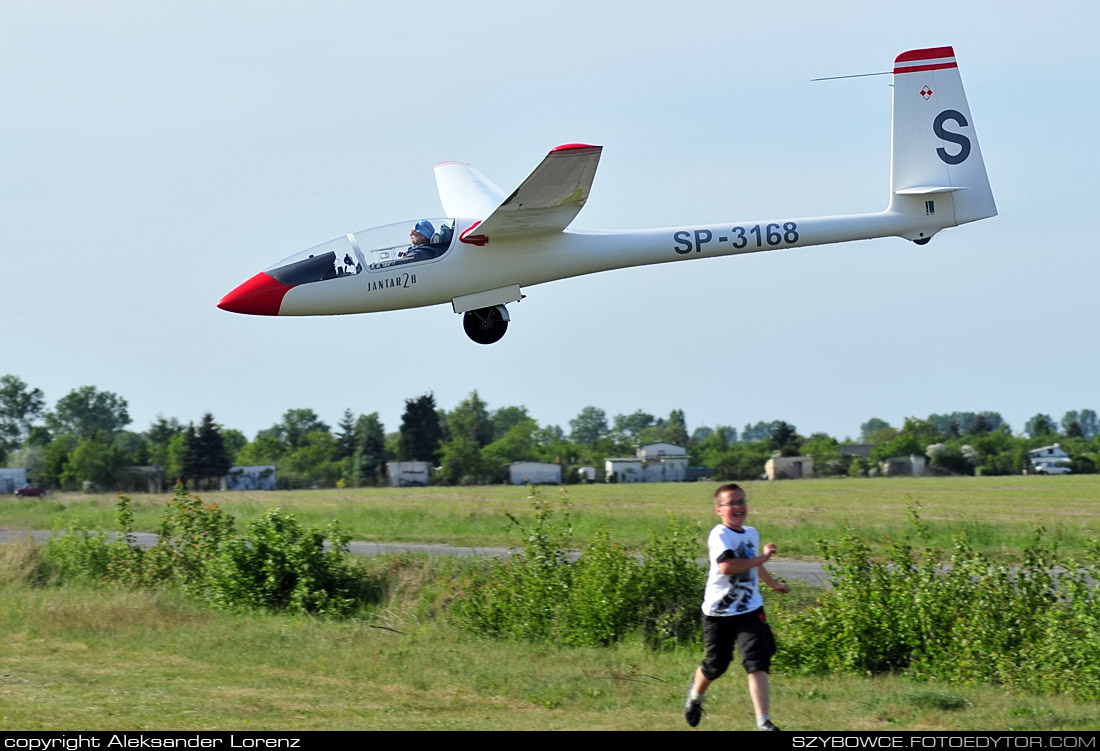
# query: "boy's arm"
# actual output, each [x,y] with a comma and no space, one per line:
[732,566]
[773,585]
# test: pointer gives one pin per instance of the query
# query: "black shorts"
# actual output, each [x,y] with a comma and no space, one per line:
[754,641]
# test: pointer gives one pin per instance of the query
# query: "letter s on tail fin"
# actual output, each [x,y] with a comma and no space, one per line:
[935,147]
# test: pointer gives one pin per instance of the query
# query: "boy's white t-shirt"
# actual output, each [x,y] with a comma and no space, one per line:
[737,594]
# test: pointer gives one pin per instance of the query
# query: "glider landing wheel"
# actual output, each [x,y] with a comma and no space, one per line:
[486,325]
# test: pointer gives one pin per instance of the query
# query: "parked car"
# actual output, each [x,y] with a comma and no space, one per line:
[31,490]
[1052,469]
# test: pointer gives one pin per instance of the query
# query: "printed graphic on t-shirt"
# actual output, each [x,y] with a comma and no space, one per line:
[742,586]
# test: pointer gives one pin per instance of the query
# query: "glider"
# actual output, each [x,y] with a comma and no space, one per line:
[491,245]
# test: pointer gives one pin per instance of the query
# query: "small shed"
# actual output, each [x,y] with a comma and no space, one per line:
[624,469]
[899,466]
[586,474]
[404,474]
[250,477]
[535,473]
[12,478]
[789,467]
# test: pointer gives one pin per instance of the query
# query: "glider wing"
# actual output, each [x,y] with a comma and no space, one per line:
[547,201]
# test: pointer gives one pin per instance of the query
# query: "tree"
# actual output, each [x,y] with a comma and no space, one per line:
[1040,425]
[630,426]
[872,426]
[505,417]
[296,425]
[470,420]
[462,462]
[86,411]
[589,426]
[1090,424]
[312,463]
[420,431]
[785,439]
[187,458]
[346,440]
[94,462]
[914,437]
[676,428]
[213,459]
[19,408]
[370,450]
[517,445]
[980,426]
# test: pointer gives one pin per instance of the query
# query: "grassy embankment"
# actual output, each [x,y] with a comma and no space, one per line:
[998,513]
[83,659]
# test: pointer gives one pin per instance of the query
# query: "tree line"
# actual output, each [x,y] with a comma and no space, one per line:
[84,442]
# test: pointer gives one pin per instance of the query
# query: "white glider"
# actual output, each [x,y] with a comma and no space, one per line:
[491,246]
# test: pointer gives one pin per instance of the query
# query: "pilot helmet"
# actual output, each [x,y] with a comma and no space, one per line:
[425,228]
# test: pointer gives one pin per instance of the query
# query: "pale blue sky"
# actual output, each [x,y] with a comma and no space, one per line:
[155,155]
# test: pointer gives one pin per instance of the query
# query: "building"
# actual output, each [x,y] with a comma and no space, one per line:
[12,478]
[1046,457]
[250,477]
[404,474]
[899,466]
[534,473]
[654,462]
[789,467]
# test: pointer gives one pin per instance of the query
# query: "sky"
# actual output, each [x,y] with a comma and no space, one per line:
[155,155]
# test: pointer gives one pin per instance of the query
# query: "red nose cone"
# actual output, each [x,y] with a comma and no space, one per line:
[259,296]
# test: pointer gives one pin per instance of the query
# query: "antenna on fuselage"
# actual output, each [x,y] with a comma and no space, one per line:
[857,75]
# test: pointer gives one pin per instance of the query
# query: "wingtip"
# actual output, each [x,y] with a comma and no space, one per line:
[572,146]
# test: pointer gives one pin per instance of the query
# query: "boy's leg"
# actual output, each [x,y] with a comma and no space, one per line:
[701,682]
[759,691]
[718,639]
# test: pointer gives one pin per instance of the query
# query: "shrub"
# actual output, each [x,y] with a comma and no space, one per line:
[547,593]
[963,619]
[277,564]
[280,565]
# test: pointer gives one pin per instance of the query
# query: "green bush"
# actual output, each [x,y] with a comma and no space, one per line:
[77,554]
[280,565]
[277,564]
[963,619]
[543,594]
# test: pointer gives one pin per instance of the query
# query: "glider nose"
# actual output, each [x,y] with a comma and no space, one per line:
[262,295]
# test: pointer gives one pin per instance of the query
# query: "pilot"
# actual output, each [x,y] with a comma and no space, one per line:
[421,236]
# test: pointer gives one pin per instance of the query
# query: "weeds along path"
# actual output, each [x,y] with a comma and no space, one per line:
[807,571]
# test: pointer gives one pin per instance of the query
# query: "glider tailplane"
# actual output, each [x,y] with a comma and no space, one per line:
[936,165]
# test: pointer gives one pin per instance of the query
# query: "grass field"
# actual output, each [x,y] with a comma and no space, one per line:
[997,512]
[76,659]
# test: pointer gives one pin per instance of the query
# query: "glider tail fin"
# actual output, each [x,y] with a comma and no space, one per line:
[936,167]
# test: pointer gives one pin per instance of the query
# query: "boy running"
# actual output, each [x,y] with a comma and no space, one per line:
[733,610]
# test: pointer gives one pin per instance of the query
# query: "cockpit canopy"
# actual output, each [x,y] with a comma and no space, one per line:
[371,250]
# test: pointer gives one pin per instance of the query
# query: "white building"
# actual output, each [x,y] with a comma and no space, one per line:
[403,474]
[1047,457]
[535,473]
[654,462]
[789,467]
